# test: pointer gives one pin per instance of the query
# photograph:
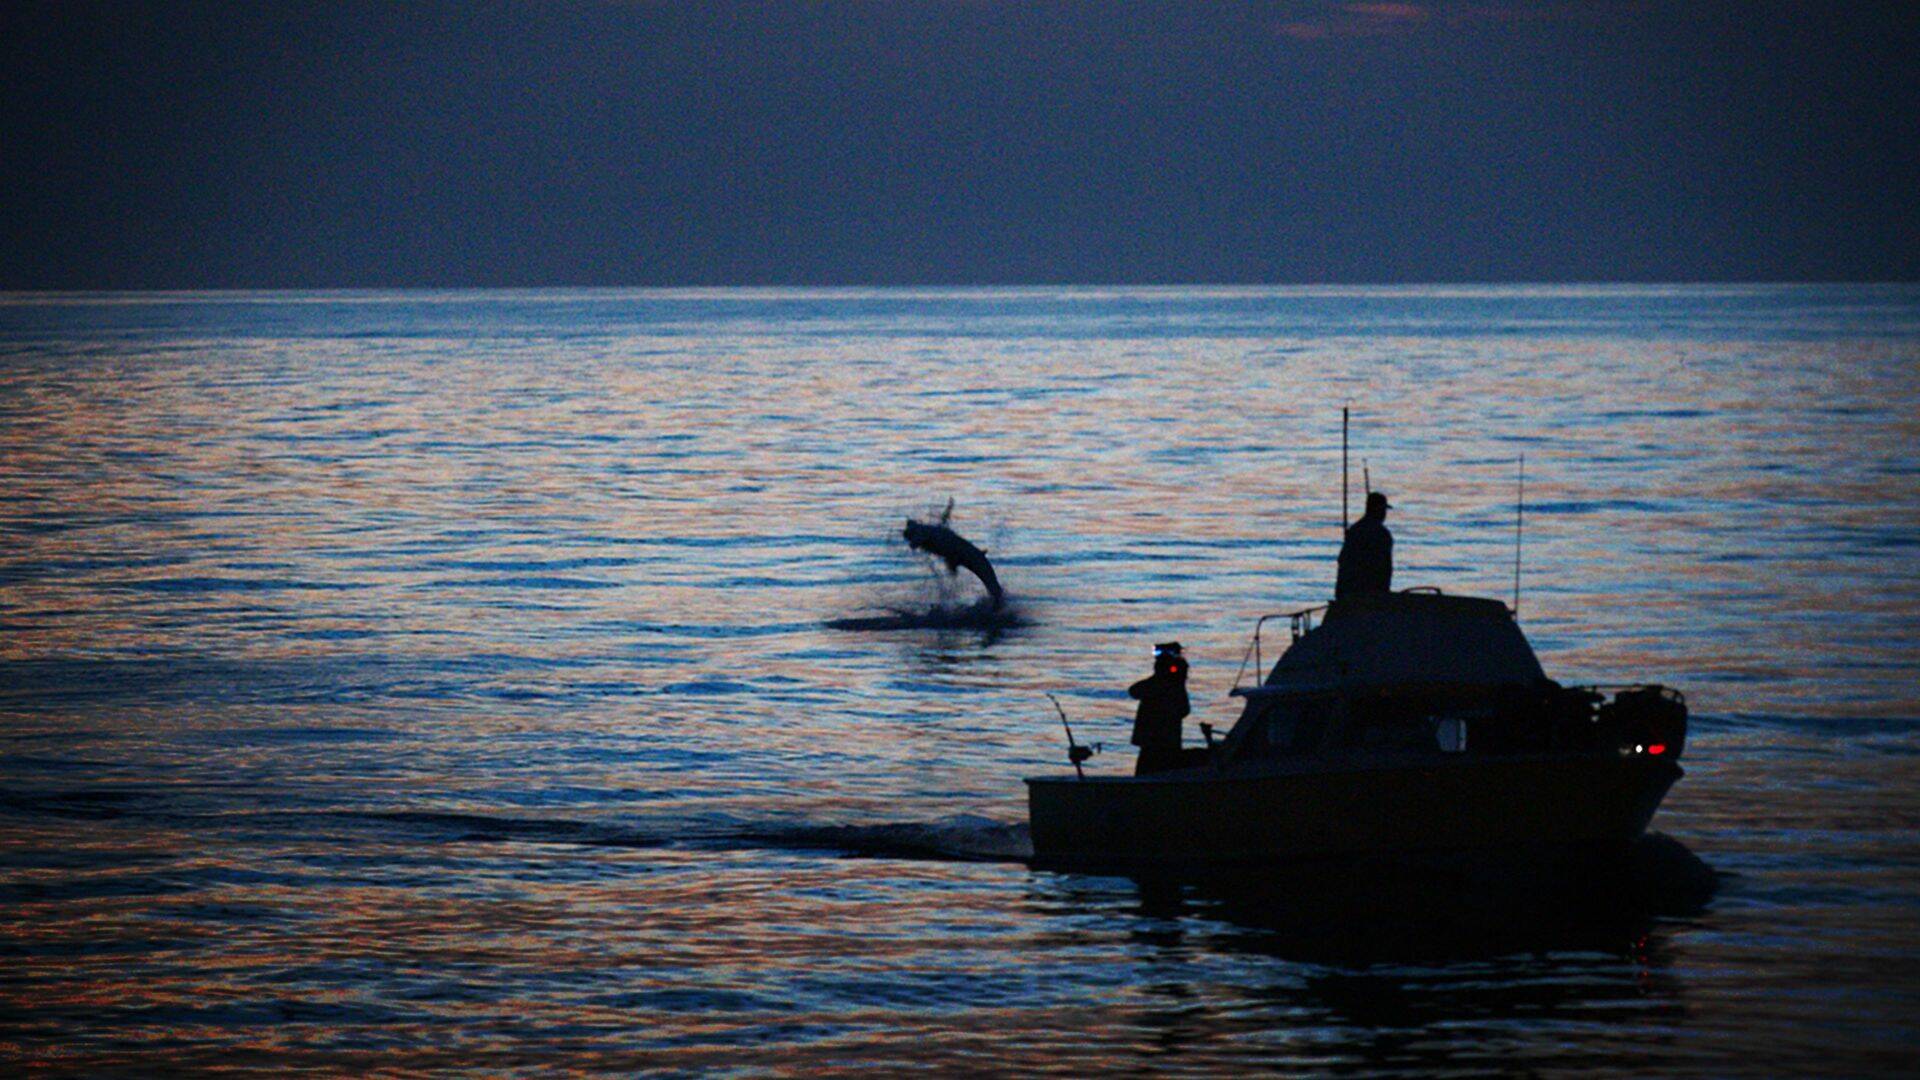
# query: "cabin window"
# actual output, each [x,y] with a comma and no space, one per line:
[1394,723]
[1293,727]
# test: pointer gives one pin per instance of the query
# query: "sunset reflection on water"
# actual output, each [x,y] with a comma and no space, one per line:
[441,680]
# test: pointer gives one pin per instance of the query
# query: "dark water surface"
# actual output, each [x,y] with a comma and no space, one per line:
[410,681]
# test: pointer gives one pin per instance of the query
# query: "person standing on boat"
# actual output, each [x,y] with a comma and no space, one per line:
[1163,704]
[1366,558]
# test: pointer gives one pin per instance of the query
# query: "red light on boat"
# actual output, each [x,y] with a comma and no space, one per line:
[1657,748]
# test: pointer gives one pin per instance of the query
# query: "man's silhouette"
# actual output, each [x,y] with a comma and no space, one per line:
[1366,558]
[1163,704]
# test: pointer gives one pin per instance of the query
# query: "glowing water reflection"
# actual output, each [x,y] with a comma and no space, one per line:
[442,680]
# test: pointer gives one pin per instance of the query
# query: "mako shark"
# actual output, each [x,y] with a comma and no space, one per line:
[938,540]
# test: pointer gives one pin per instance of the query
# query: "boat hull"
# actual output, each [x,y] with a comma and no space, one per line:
[1201,816]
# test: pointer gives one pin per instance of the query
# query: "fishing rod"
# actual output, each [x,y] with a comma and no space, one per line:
[1075,752]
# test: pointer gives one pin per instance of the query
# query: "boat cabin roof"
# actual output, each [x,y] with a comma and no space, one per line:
[1406,640]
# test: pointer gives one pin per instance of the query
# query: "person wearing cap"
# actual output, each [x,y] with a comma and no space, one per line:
[1163,704]
[1366,558]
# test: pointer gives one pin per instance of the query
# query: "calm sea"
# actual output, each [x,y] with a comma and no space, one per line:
[405,681]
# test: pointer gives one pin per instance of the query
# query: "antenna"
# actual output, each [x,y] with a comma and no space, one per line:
[1343,468]
[1366,477]
[1519,514]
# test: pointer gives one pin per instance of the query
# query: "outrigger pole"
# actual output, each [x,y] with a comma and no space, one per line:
[1519,511]
[1343,469]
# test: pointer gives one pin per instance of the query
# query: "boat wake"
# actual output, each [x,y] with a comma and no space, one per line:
[962,837]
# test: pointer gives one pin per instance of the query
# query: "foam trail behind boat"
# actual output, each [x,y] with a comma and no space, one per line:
[964,837]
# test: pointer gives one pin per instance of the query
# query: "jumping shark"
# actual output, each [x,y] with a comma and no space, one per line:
[942,542]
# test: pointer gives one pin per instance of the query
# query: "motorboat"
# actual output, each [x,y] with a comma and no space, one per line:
[1393,722]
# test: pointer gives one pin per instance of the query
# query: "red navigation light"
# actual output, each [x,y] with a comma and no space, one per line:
[1657,749]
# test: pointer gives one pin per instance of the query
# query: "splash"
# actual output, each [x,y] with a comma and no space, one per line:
[982,615]
[945,611]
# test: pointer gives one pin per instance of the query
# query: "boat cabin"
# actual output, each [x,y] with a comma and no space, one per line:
[1407,670]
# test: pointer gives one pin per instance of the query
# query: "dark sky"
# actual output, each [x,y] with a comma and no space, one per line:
[348,144]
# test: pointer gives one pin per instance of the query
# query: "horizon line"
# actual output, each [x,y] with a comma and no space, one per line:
[1572,283]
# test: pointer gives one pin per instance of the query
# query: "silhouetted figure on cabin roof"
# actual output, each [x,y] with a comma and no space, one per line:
[1366,558]
[1163,704]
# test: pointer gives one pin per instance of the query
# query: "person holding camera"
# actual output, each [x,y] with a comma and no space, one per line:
[1163,705]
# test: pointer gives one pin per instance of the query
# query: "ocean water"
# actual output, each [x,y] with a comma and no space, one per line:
[444,681]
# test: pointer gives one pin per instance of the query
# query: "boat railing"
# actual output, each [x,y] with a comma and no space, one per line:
[1616,689]
[1301,624]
